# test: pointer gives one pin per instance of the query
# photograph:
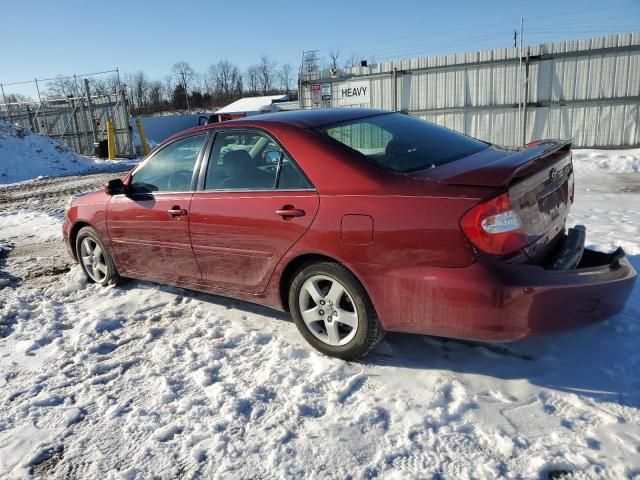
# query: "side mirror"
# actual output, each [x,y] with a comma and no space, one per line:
[114,187]
[272,157]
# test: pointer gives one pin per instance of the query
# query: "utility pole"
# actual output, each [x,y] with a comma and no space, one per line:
[515,38]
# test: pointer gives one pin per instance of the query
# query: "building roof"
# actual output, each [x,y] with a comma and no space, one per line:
[251,104]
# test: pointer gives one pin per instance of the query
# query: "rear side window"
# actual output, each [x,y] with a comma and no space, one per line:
[403,143]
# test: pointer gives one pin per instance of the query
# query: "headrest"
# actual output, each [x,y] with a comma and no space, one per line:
[234,162]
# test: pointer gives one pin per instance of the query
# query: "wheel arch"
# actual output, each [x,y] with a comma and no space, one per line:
[296,263]
[73,235]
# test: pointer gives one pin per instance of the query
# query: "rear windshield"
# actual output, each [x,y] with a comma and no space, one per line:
[402,143]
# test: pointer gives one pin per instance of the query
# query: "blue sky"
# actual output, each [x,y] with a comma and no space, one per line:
[61,37]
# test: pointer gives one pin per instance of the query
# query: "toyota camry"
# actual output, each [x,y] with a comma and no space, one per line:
[358,222]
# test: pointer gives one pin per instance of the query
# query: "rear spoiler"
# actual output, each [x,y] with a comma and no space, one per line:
[495,167]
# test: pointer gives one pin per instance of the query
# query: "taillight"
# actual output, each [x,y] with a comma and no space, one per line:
[494,226]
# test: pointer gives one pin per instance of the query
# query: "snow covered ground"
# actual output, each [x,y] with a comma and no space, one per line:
[143,381]
[25,156]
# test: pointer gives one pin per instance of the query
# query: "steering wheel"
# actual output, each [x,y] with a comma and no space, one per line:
[179,180]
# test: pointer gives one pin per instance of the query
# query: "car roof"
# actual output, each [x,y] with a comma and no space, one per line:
[299,118]
[311,118]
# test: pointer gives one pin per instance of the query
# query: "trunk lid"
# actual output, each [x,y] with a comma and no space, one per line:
[539,181]
[498,167]
[542,196]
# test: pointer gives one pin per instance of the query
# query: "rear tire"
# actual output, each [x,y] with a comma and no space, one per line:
[333,312]
[94,258]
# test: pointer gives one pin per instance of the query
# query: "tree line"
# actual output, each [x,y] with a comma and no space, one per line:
[184,88]
[181,89]
[222,83]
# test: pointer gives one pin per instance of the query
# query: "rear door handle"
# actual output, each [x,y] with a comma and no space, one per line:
[286,212]
[176,211]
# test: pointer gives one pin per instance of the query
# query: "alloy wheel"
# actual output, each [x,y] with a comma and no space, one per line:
[93,260]
[328,310]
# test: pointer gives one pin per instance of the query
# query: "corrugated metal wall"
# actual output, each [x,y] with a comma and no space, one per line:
[588,90]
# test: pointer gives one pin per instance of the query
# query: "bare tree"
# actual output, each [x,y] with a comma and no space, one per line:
[238,83]
[155,94]
[105,86]
[62,87]
[353,60]
[139,88]
[310,61]
[225,81]
[285,77]
[253,78]
[334,57]
[266,73]
[184,74]
[167,87]
[226,73]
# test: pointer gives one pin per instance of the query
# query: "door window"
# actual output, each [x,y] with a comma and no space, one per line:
[170,169]
[250,160]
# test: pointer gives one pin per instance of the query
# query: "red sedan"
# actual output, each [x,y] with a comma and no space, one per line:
[357,222]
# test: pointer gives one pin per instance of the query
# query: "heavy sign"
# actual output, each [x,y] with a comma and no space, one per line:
[354,93]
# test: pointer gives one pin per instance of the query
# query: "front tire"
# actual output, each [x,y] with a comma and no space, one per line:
[94,258]
[333,312]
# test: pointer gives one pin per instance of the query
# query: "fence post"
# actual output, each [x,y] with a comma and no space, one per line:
[42,108]
[127,120]
[6,104]
[90,108]
[111,140]
[143,137]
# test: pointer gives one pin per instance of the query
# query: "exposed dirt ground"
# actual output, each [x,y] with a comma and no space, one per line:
[49,196]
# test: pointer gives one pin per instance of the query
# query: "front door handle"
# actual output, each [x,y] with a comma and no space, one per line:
[176,211]
[289,212]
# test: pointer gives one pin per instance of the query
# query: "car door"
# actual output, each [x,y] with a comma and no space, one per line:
[149,225]
[253,205]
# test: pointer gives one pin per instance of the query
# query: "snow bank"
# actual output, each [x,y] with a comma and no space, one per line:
[620,161]
[25,155]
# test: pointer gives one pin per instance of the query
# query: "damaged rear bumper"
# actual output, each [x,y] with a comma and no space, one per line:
[494,301]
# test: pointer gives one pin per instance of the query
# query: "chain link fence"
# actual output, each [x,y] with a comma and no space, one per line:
[79,120]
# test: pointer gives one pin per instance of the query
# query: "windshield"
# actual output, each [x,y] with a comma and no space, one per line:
[403,143]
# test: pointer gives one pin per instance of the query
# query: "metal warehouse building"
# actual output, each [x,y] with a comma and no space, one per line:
[588,90]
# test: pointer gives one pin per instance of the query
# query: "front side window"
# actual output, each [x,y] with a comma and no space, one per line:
[250,160]
[170,169]
[403,143]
